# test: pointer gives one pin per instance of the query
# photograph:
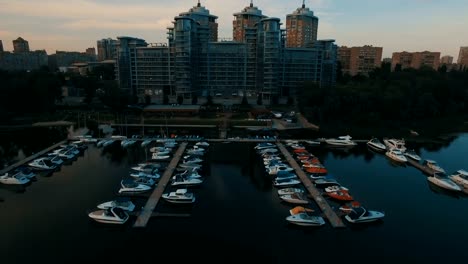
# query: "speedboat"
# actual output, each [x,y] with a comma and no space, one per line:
[396,155]
[145,181]
[108,143]
[16,179]
[160,150]
[412,155]
[296,198]
[113,215]
[101,142]
[190,166]
[312,142]
[191,174]
[159,157]
[123,203]
[127,143]
[268,150]
[130,186]
[434,166]
[376,144]
[362,215]
[192,160]
[344,141]
[282,175]
[316,169]
[287,191]
[140,174]
[147,167]
[305,219]
[261,146]
[444,182]
[42,164]
[202,144]
[56,160]
[146,142]
[340,195]
[185,180]
[273,170]
[335,188]
[179,196]
[67,154]
[461,178]
[297,146]
[393,143]
[285,182]
[326,182]
[24,172]
[299,209]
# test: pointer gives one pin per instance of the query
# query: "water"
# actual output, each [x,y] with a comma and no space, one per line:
[238,214]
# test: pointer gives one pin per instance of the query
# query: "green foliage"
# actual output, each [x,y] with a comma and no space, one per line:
[244,100]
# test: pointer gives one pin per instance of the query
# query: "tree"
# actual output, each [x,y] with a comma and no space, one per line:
[244,100]
[180,99]
[194,99]
[398,68]
[165,99]
[259,99]
[147,99]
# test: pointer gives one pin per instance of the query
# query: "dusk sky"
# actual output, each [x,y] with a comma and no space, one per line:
[397,25]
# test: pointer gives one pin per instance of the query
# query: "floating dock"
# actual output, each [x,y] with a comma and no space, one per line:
[333,218]
[147,210]
[421,167]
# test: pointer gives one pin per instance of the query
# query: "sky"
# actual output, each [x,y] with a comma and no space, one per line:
[395,25]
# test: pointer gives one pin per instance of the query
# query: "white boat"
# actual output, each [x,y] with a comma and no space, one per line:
[155,156]
[285,183]
[297,146]
[190,166]
[181,196]
[326,182]
[192,160]
[362,215]
[101,142]
[432,164]
[123,203]
[396,155]
[141,174]
[130,186]
[127,143]
[375,144]
[24,172]
[160,149]
[273,170]
[305,219]
[410,153]
[202,144]
[42,164]
[184,180]
[190,174]
[261,146]
[335,188]
[295,198]
[146,142]
[344,141]
[393,143]
[56,160]
[461,178]
[64,153]
[147,167]
[444,182]
[268,150]
[16,179]
[113,215]
[286,191]
[86,139]
[195,152]
[145,181]
[108,143]
[283,175]
[312,142]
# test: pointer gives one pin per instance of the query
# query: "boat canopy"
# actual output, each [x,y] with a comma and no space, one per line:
[463,172]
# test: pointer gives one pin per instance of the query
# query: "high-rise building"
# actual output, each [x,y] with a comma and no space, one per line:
[301,28]
[387,60]
[359,60]
[1,46]
[207,27]
[106,49]
[416,60]
[23,61]
[63,59]
[91,51]
[245,21]
[20,45]
[463,57]
[447,60]
[125,70]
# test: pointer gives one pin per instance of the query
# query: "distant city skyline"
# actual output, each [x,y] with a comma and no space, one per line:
[400,25]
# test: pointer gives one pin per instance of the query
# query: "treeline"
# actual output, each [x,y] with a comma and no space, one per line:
[391,96]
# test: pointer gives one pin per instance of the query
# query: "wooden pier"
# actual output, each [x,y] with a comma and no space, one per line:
[147,210]
[333,218]
[32,157]
[421,167]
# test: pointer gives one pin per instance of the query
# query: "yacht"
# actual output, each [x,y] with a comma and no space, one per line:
[344,141]
[335,188]
[42,164]
[296,198]
[434,166]
[299,209]
[375,144]
[192,160]
[410,153]
[273,170]
[185,180]
[113,215]
[146,142]
[130,186]
[147,167]
[140,174]
[145,181]
[127,143]
[202,144]
[179,196]
[287,191]
[393,143]
[461,178]
[155,156]
[444,182]
[305,219]
[261,146]
[326,182]
[312,142]
[23,172]
[56,160]
[283,175]
[396,155]
[362,215]
[285,183]
[16,179]
[123,203]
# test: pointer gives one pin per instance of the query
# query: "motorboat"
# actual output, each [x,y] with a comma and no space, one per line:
[297,146]
[341,195]
[375,144]
[460,177]
[42,164]
[86,139]
[181,196]
[195,152]
[67,154]
[123,203]
[335,188]
[154,176]
[190,166]
[396,155]
[295,198]
[130,186]
[101,142]
[261,146]
[57,160]
[190,174]
[362,215]
[299,209]
[393,143]
[285,182]
[185,180]
[347,208]
[145,181]
[23,171]
[312,142]
[160,149]
[202,144]
[344,141]
[305,219]
[326,182]
[16,179]
[113,215]
[146,142]
[282,175]
[317,169]
[155,156]
[268,150]
[444,182]
[273,170]
[161,153]
[147,167]
[432,164]
[127,143]
[410,153]
[192,160]
[108,143]
[287,191]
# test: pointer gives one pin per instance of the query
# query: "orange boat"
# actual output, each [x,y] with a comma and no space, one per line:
[300,151]
[311,161]
[317,170]
[305,157]
[299,209]
[347,208]
[341,195]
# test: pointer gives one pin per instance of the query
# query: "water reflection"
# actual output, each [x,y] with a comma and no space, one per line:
[441,191]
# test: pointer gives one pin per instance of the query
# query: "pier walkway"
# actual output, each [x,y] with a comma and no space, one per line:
[421,167]
[147,210]
[333,218]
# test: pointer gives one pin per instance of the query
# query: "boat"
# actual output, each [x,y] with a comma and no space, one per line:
[312,142]
[181,196]
[285,182]
[190,173]
[130,186]
[160,149]
[335,188]
[145,181]
[146,142]
[460,177]
[347,208]
[185,180]
[297,146]
[123,203]
[42,164]
[344,141]
[286,191]
[147,167]
[318,169]
[108,143]
[375,144]
[86,139]
[326,182]
[67,154]
[305,219]
[56,160]
[396,155]
[268,150]
[113,215]
[444,182]
[155,156]
[362,215]
[432,164]
[296,198]
[341,195]
[192,160]
[393,143]
[15,179]
[262,146]
[127,143]
[202,144]
[299,209]
[190,166]
[141,174]
[282,175]
[24,171]
[410,153]
[414,133]
[101,142]
[273,170]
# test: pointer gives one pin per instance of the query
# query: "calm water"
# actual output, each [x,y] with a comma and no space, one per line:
[238,212]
